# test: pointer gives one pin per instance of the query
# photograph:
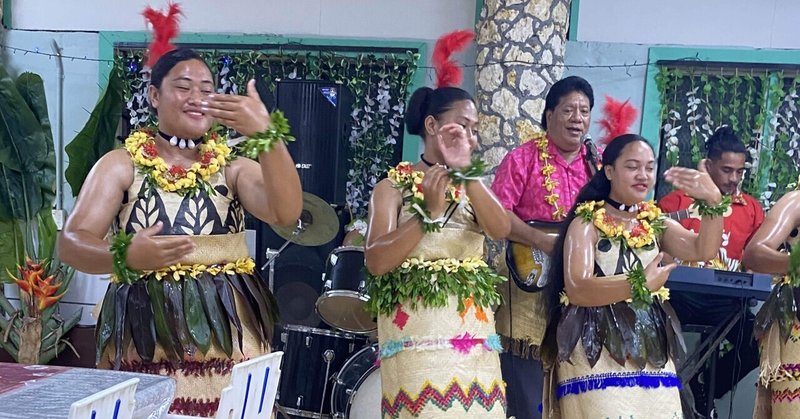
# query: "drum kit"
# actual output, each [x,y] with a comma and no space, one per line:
[329,373]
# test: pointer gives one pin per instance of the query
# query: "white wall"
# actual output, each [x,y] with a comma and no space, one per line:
[418,19]
[742,23]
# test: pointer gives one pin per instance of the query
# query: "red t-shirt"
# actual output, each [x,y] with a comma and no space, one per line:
[741,221]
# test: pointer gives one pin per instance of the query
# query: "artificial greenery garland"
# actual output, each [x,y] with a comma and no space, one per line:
[431,282]
[119,250]
[278,131]
[704,209]
[640,294]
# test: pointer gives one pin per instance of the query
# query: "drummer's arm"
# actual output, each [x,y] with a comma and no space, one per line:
[388,244]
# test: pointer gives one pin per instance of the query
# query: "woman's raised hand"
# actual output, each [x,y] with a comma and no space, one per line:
[456,145]
[247,114]
[696,183]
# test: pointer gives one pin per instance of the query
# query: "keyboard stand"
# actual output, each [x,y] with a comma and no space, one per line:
[707,346]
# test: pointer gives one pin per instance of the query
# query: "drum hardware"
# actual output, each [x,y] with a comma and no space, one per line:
[318,222]
[342,303]
[311,362]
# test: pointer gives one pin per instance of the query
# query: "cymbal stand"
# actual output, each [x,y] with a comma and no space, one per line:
[273,254]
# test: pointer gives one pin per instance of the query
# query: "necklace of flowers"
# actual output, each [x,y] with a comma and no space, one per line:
[214,154]
[549,184]
[649,223]
[406,179]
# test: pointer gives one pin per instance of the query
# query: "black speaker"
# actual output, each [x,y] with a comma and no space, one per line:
[319,115]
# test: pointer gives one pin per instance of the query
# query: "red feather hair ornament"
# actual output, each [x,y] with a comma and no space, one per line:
[617,118]
[165,27]
[448,73]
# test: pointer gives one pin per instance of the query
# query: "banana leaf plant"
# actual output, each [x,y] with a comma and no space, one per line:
[34,332]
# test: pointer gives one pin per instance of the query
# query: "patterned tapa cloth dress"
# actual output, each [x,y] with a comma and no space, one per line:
[193,321]
[441,360]
[616,361]
[777,326]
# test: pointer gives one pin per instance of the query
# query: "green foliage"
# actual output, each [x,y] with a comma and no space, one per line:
[97,137]
[760,108]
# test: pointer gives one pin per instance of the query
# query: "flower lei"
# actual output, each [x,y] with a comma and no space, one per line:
[431,282]
[650,223]
[549,184]
[214,154]
[405,178]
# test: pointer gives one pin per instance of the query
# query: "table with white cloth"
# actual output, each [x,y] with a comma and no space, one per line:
[44,391]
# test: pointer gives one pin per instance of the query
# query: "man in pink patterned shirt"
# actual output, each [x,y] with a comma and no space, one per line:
[538,181]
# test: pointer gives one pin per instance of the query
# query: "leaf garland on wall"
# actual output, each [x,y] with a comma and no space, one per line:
[761,108]
[379,82]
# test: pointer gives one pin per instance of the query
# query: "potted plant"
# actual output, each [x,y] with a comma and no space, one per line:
[33,332]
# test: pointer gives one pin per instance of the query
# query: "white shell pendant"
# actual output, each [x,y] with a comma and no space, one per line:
[173,141]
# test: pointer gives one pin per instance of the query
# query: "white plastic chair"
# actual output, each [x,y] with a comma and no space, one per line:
[116,402]
[252,390]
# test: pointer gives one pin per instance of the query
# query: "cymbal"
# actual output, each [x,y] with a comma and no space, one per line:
[318,223]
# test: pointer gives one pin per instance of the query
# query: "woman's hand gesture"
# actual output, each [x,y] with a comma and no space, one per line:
[244,113]
[657,275]
[456,145]
[434,185]
[696,183]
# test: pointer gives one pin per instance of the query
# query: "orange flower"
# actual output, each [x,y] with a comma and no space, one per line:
[41,290]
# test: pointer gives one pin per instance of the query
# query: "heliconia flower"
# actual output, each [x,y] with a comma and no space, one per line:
[48,301]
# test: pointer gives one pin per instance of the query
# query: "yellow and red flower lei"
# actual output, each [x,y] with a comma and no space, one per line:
[214,154]
[650,223]
[405,178]
[549,184]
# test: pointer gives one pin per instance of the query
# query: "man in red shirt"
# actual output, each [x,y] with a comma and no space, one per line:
[725,163]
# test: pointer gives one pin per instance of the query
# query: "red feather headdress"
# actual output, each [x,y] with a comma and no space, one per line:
[448,73]
[617,118]
[165,27]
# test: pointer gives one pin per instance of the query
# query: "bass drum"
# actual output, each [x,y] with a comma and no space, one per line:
[357,391]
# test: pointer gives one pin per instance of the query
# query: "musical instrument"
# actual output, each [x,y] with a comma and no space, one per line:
[717,282]
[311,358]
[357,390]
[344,296]
[529,267]
[317,225]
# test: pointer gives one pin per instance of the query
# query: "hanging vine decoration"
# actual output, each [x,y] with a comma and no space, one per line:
[762,109]
[379,82]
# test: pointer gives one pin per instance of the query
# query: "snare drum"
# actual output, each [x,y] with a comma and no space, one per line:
[342,303]
[357,390]
[311,358]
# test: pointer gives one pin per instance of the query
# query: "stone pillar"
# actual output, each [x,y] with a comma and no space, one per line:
[520,55]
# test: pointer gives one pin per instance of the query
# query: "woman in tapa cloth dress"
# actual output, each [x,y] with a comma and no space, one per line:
[777,324]
[613,359]
[438,345]
[198,306]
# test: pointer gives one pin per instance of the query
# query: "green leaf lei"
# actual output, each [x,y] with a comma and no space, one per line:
[704,209]
[119,249]
[640,294]
[431,282]
[278,131]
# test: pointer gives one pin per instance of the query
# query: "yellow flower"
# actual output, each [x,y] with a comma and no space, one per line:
[551,199]
[548,169]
